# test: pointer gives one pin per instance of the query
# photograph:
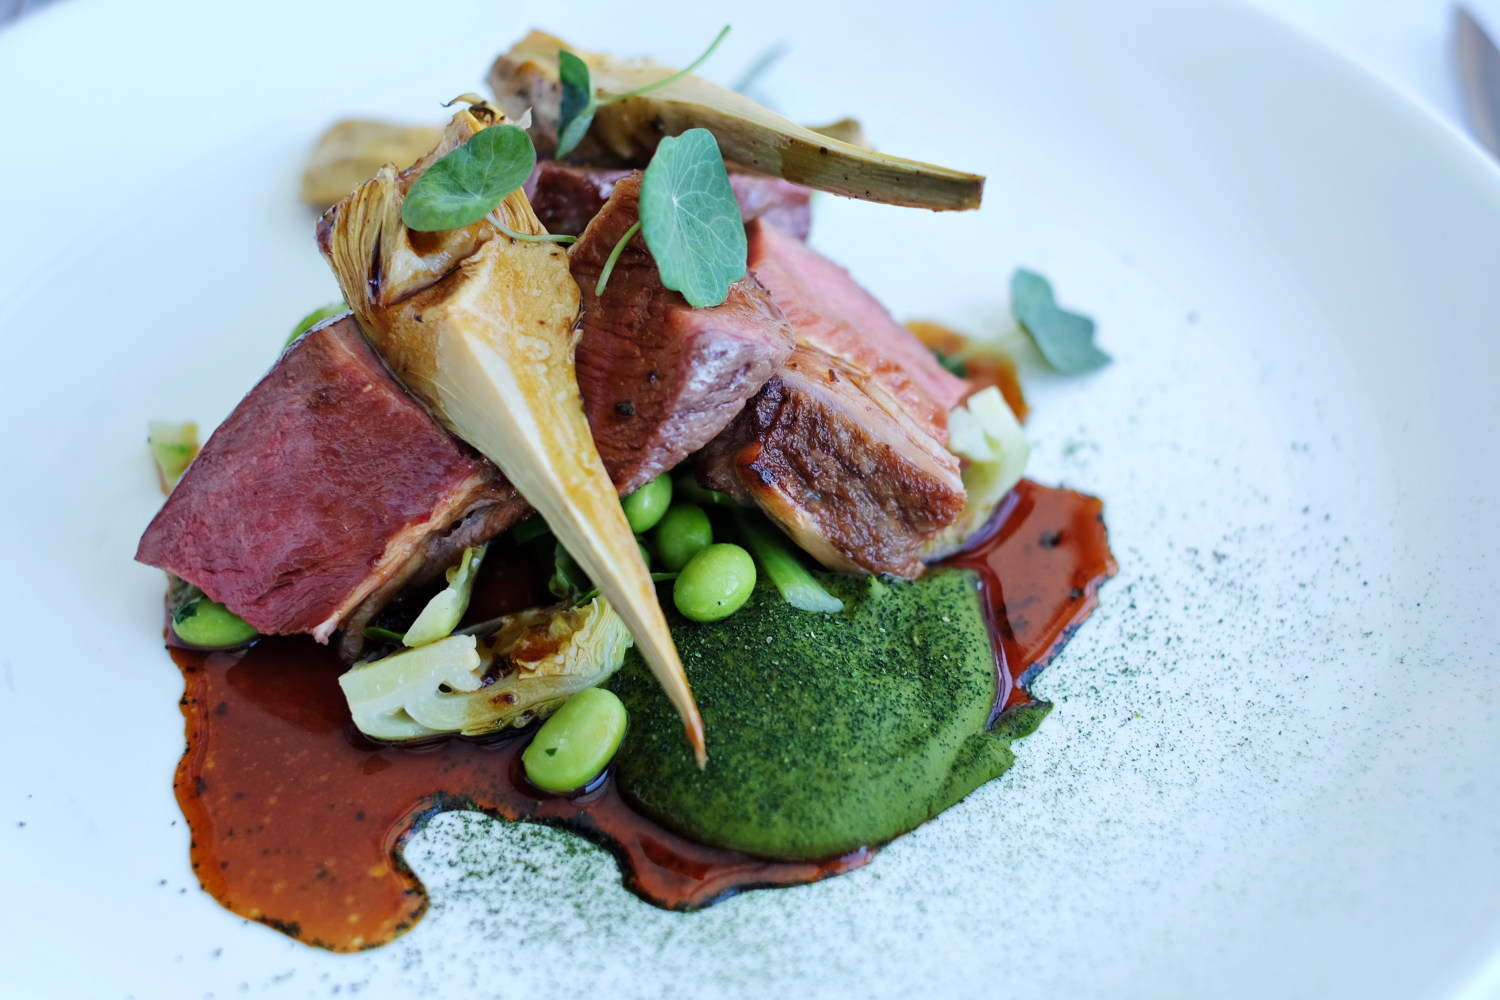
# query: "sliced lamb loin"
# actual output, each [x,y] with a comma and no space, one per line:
[660,378]
[859,489]
[325,491]
[844,446]
[566,197]
[833,313]
[775,200]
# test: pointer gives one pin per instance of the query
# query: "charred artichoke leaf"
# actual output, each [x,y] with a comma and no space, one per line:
[534,662]
[626,133]
[987,433]
[481,328]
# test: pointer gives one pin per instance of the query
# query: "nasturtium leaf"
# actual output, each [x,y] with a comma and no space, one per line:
[578,102]
[690,218]
[1065,339]
[466,185]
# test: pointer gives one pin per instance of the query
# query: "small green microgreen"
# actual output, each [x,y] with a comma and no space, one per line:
[315,317]
[614,258]
[952,363]
[580,101]
[465,185]
[1065,339]
[691,220]
[535,237]
[753,73]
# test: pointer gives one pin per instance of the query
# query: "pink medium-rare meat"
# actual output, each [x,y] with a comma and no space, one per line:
[844,447]
[327,484]
[566,197]
[828,456]
[660,378]
[833,313]
[774,200]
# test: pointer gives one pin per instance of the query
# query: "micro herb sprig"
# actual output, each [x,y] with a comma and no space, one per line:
[1065,339]
[614,258]
[580,101]
[690,219]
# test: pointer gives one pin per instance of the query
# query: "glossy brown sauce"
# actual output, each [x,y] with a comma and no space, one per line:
[297,819]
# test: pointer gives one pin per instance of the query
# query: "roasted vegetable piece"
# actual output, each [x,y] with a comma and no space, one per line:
[536,661]
[173,447]
[442,613]
[350,153]
[480,327]
[626,133]
[986,432]
[778,557]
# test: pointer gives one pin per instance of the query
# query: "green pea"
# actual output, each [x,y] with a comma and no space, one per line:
[208,623]
[645,506]
[715,583]
[681,534]
[576,743]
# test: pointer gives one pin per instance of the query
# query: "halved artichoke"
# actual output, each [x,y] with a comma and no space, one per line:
[532,663]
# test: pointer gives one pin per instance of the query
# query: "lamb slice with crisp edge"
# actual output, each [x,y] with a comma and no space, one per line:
[833,313]
[295,516]
[844,447]
[660,378]
[857,488]
[480,327]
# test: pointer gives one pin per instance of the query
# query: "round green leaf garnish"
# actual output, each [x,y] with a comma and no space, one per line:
[691,220]
[466,185]
[578,102]
[1066,339]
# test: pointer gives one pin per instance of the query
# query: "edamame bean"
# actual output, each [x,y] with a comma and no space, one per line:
[208,623]
[575,744]
[645,506]
[715,583]
[681,534]
[688,488]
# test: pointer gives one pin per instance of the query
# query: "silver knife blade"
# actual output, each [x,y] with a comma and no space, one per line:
[1479,72]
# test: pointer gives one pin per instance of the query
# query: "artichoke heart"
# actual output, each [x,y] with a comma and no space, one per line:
[480,326]
[530,665]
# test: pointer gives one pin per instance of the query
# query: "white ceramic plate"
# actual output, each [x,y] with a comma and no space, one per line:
[1274,765]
